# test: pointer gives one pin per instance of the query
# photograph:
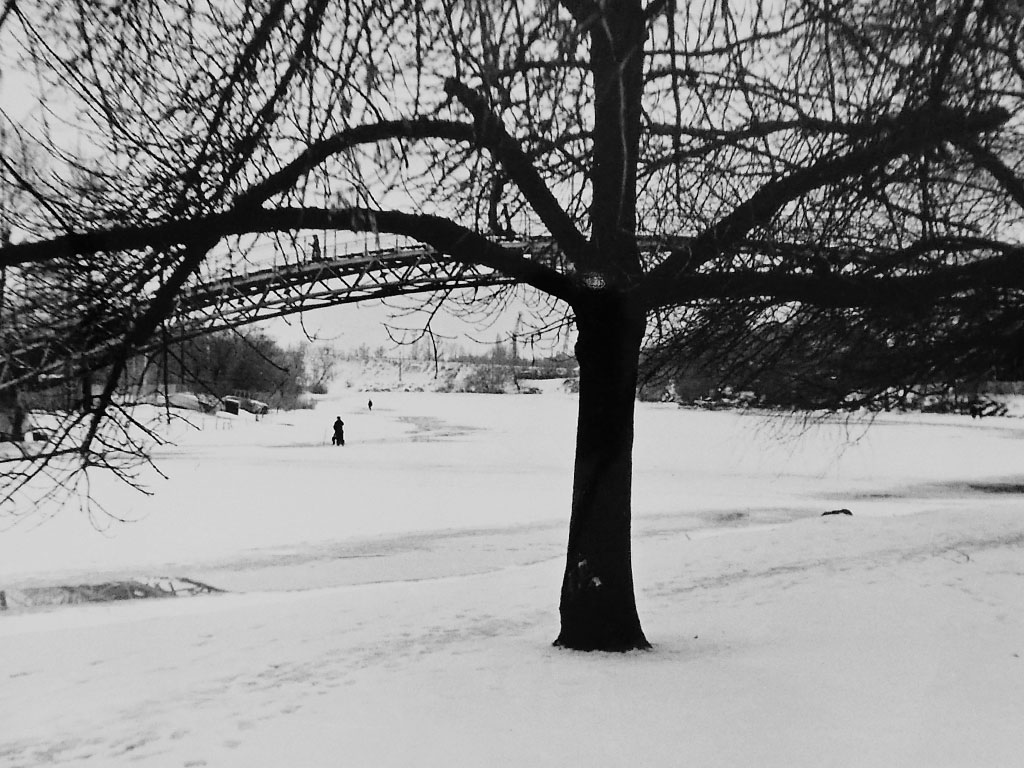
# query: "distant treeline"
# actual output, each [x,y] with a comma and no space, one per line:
[774,367]
[246,362]
[500,353]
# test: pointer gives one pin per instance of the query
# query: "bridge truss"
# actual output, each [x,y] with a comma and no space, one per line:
[293,276]
[314,281]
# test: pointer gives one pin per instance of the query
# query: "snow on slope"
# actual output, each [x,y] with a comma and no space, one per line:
[395,599]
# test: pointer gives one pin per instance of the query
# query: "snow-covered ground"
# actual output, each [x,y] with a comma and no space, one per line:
[392,602]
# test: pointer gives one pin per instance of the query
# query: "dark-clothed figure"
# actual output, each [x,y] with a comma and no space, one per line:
[369,405]
[339,432]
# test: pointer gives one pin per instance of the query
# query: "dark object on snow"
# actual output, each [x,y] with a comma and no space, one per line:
[979,409]
[131,589]
[339,432]
[237,403]
[837,512]
[3,600]
[369,405]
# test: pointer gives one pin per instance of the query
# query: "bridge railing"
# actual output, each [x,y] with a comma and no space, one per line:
[261,254]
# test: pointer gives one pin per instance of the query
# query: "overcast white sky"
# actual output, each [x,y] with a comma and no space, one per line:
[350,325]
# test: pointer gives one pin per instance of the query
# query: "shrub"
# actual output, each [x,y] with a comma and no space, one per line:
[487,379]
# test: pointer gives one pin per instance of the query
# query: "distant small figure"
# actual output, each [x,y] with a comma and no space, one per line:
[369,405]
[508,232]
[317,255]
[339,432]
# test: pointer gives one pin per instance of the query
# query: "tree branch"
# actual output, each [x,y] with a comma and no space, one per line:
[616,63]
[490,133]
[447,237]
[759,129]
[8,7]
[1002,272]
[910,133]
[1002,173]
[418,128]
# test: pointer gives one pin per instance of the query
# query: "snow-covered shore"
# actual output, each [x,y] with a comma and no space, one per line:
[392,602]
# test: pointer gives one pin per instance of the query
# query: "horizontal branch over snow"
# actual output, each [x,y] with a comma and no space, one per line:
[892,138]
[417,129]
[1002,272]
[447,237]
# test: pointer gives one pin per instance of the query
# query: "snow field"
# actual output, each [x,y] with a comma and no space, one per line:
[408,620]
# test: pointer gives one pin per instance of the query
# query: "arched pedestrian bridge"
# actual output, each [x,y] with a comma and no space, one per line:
[265,280]
[308,274]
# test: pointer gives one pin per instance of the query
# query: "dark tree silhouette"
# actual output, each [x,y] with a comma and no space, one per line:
[692,164]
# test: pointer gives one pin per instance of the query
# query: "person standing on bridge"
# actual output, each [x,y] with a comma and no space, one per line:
[339,432]
[317,255]
[508,231]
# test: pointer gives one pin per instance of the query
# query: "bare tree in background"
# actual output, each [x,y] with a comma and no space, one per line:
[323,361]
[701,168]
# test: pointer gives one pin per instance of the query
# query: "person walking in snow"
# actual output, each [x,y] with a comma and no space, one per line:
[339,432]
[369,405]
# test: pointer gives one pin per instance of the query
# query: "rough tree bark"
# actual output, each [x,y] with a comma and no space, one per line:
[598,608]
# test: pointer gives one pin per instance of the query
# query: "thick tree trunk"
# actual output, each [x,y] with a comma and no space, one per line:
[598,608]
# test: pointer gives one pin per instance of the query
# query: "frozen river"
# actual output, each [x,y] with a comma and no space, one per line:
[433,484]
[429,483]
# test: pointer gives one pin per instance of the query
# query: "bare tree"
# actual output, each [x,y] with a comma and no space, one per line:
[323,360]
[691,164]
